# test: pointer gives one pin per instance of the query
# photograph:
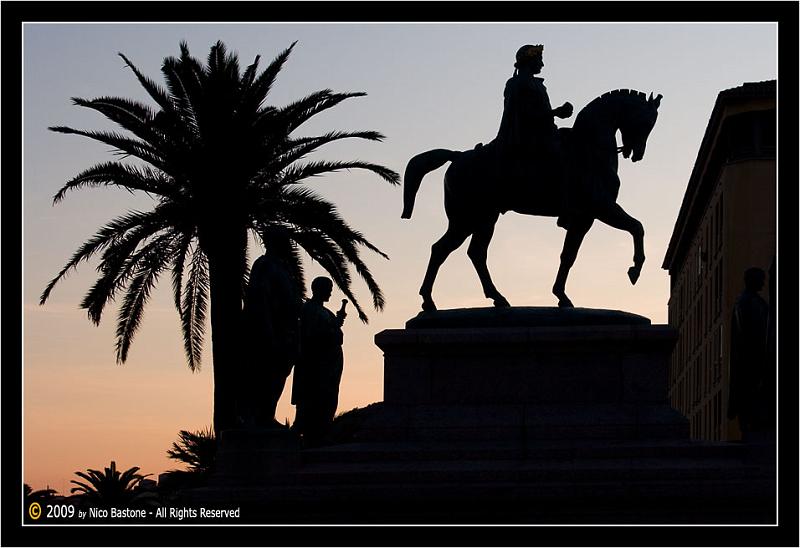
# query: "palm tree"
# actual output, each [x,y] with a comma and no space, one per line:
[222,165]
[196,449]
[112,487]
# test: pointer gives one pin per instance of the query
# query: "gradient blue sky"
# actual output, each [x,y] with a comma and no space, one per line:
[429,86]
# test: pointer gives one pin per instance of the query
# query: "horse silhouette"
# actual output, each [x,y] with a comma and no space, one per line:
[476,192]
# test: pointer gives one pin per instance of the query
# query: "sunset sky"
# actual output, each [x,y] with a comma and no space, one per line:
[429,86]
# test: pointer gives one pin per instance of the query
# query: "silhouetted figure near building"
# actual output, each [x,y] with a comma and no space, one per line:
[750,371]
[271,312]
[315,389]
[772,351]
[528,135]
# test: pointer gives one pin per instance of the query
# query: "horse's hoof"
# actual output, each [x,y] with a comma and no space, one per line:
[565,303]
[633,274]
[428,306]
[501,302]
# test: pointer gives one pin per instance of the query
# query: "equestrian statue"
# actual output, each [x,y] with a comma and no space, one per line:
[534,168]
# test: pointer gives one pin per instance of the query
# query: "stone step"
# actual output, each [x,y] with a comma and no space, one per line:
[700,470]
[668,500]
[589,481]
[425,493]
[477,471]
[443,451]
[517,423]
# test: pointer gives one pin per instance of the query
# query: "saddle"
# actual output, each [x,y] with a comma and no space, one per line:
[543,173]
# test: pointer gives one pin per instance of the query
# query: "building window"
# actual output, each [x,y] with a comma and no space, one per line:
[713,225]
[720,220]
[713,294]
[719,352]
[697,381]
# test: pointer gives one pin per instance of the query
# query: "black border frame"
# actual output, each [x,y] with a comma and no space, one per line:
[785,13]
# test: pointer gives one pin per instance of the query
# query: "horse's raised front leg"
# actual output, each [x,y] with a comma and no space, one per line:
[572,243]
[440,250]
[477,252]
[616,217]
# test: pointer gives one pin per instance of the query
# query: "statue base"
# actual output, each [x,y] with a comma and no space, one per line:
[513,416]
[535,373]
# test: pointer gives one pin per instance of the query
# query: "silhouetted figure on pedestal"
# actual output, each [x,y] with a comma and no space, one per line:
[315,389]
[749,368]
[527,135]
[271,312]
[525,169]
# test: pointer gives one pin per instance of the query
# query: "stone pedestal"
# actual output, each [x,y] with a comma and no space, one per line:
[533,415]
[532,373]
[257,455]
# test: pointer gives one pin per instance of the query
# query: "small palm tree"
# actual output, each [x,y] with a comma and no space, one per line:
[197,449]
[221,165]
[112,487]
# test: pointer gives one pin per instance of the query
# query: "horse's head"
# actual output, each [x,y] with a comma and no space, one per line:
[636,126]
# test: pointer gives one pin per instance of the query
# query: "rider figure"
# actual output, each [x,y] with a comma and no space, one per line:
[527,132]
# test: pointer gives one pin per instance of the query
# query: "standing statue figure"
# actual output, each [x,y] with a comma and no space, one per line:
[749,371]
[271,313]
[528,134]
[315,389]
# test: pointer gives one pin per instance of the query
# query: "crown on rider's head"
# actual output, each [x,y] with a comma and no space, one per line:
[529,51]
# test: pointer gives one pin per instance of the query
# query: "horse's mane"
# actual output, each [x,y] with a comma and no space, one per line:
[631,93]
[598,103]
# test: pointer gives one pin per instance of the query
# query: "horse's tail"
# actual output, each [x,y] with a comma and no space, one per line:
[419,166]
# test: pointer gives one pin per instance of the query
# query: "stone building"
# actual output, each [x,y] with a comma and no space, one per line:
[726,224]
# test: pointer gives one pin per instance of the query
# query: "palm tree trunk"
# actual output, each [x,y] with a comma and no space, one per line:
[226,261]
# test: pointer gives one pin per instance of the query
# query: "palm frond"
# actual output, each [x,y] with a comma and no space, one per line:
[120,262]
[178,267]
[110,233]
[121,110]
[250,74]
[299,112]
[125,145]
[305,208]
[155,91]
[192,64]
[193,310]
[185,88]
[196,449]
[130,477]
[130,314]
[82,487]
[296,149]
[131,115]
[255,93]
[297,174]
[125,176]
[217,57]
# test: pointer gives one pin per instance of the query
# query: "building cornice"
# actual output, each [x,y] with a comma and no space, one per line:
[751,96]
